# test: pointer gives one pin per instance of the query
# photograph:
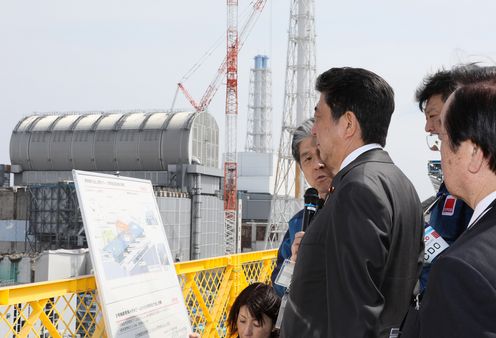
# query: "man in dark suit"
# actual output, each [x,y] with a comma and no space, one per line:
[461,298]
[360,258]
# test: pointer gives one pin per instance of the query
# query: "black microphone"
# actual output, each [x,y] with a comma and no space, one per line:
[311,199]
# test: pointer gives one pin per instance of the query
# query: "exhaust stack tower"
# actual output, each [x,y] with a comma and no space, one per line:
[259,130]
[299,101]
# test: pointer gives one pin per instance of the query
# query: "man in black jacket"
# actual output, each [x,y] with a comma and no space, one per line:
[361,257]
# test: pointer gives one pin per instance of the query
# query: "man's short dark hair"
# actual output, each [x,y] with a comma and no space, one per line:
[439,83]
[471,115]
[362,92]
[301,133]
[444,82]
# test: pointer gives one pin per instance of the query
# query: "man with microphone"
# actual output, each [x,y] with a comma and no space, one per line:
[306,154]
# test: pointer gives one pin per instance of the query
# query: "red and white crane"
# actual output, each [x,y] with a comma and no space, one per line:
[229,68]
[204,102]
[230,160]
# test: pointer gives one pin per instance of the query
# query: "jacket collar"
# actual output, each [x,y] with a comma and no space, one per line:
[373,155]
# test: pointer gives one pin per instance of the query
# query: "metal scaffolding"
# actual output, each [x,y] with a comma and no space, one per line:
[54,219]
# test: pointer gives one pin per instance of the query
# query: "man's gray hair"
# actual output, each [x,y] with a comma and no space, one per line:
[301,133]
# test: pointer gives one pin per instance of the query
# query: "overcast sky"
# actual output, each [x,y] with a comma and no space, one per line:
[62,55]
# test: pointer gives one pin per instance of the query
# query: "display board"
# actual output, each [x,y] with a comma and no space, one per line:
[137,283]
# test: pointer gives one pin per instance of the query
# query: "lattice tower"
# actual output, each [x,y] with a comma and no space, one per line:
[232,235]
[299,101]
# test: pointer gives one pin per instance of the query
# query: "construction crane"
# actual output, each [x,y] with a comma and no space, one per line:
[229,67]
[202,105]
[232,236]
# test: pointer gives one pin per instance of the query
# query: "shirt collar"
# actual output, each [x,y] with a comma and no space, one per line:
[357,152]
[481,208]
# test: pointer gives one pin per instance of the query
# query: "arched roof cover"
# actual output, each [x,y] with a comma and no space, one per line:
[138,140]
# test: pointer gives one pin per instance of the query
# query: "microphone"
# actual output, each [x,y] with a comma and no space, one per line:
[311,199]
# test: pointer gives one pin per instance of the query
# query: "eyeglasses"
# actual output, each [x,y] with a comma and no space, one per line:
[433,142]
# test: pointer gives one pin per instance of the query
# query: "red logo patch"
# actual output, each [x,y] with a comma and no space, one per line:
[449,206]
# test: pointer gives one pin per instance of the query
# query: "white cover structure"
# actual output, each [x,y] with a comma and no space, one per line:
[114,141]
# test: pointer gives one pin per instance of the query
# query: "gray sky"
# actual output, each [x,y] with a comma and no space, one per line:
[63,55]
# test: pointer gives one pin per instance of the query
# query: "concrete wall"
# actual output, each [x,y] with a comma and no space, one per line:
[255,164]
[13,204]
[256,172]
[15,269]
[12,235]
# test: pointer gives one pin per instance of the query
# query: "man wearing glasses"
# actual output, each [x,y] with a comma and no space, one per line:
[448,216]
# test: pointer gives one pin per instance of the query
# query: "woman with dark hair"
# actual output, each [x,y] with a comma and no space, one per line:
[254,312]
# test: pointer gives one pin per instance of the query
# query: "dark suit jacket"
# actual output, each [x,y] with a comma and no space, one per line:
[361,256]
[460,300]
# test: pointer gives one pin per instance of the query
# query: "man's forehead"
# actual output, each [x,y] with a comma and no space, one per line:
[307,147]
[434,104]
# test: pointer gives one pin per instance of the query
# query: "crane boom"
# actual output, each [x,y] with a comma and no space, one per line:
[212,88]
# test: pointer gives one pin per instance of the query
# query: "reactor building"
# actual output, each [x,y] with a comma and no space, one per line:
[177,151]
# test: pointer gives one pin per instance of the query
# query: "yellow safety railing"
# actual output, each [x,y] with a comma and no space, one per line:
[69,308]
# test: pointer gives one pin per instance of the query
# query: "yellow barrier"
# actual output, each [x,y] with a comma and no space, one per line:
[69,308]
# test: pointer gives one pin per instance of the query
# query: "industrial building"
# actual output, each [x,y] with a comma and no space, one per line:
[177,151]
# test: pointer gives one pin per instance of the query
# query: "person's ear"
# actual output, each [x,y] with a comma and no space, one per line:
[351,123]
[476,159]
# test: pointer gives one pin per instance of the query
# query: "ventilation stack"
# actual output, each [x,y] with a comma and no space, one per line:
[259,130]
[299,102]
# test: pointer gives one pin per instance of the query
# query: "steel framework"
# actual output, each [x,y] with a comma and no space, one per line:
[54,219]
[299,100]
[232,236]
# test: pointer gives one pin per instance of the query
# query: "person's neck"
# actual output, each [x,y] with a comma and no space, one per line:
[352,146]
[484,186]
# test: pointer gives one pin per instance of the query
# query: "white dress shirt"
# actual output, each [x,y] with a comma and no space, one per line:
[357,152]
[481,208]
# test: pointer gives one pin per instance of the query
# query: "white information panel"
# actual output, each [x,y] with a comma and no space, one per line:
[135,274]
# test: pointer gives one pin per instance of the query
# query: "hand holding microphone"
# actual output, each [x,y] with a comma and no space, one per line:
[311,200]
[312,204]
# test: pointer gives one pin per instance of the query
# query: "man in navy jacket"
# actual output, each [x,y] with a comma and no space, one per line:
[306,154]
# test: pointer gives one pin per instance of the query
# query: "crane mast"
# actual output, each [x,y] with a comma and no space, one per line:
[229,67]
[232,236]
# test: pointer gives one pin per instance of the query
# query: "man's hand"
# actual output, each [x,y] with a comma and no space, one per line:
[296,245]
